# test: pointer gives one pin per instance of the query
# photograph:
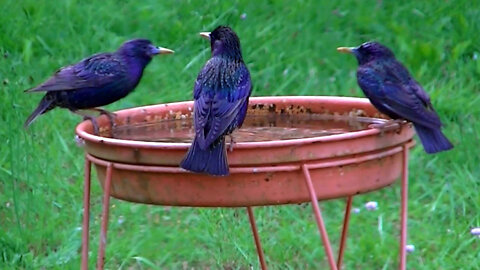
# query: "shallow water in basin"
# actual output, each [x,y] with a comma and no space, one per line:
[256,128]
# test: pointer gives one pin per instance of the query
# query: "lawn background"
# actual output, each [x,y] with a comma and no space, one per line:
[289,48]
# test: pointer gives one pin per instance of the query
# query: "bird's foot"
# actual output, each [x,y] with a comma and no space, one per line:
[232,142]
[111,116]
[388,125]
[85,116]
[96,130]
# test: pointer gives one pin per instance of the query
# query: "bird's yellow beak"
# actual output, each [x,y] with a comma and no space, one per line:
[162,50]
[345,49]
[205,35]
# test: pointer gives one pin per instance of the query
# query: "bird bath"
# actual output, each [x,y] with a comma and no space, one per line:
[290,150]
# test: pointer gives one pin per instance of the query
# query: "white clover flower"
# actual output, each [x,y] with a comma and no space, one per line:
[120,220]
[475,231]
[410,248]
[371,206]
[79,141]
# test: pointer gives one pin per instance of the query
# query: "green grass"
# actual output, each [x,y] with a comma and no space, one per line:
[290,50]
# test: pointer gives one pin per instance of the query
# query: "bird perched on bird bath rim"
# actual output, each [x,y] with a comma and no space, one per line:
[393,91]
[96,81]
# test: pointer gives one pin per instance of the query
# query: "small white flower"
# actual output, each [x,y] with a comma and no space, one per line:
[356,210]
[120,220]
[243,16]
[475,56]
[79,141]
[371,206]
[410,248]
[78,229]
[475,231]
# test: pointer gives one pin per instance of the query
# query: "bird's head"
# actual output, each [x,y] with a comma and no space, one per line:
[368,51]
[142,48]
[224,42]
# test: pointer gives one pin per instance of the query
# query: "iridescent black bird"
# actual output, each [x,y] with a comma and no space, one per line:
[221,94]
[96,81]
[393,91]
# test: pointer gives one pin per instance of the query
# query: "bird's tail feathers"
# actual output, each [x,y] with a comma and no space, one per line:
[44,106]
[212,160]
[433,140]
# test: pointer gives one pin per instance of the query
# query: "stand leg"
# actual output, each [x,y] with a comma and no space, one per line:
[346,220]
[261,257]
[86,213]
[106,208]
[319,219]
[403,218]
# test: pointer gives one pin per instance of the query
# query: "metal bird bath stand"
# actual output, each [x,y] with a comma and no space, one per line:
[261,173]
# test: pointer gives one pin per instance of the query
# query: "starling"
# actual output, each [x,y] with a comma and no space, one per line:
[221,94]
[393,91]
[96,81]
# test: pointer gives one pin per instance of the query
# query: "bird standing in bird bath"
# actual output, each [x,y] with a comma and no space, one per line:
[221,94]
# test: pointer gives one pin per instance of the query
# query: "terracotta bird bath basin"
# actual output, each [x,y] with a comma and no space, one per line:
[290,150]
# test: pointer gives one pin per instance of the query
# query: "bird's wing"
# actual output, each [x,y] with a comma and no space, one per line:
[216,109]
[202,102]
[405,98]
[96,71]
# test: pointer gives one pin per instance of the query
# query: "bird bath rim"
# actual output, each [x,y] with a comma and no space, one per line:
[82,128]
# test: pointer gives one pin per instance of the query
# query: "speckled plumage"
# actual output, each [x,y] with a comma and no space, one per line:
[393,91]
[95,81]
[221,94]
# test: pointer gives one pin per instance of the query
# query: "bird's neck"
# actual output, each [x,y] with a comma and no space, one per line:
[139,62]
[135,67]
[225,52]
